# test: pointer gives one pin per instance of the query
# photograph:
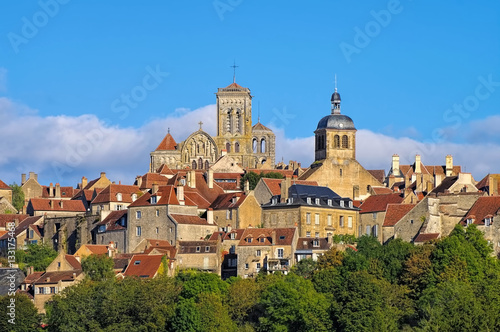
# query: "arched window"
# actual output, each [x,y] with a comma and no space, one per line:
[336,141]
[236,147]
[345,142]
[193,166]
[254,145]
[238,121]
[263,161]
[341,172]
[228,121]
[228,147]
[198,148]
[200,163]
[263,145]
[207,164]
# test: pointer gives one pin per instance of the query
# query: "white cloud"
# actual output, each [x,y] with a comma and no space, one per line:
[64,148]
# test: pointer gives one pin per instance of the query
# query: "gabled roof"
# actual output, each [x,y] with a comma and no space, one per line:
[23,225]
[166,195]
[43,204]
[201,186]
[73,262]
[307,243]
[260,126]
[378,203]
[188,220]
[381,190]
[395,212]
[160,245]
[378,174]
[143,266]
[9,217]
[234,85]
[165,170]
[190,247]
[426,237]
[168,143]
[110,194]
[3,185]
[56,276]
[149,179]
[284,236]
[112,220]
[445,184]
[274,185]
[97,249]
[227,236]
[228,201]
[484,207]
[32,277]
[483,183]
[88,194]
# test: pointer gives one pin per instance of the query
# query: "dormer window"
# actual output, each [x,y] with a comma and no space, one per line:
[290,200]
[119,197]
[316,243]
[262,239]
[329,202]
[350,204]
[134,197]
[469,221]
[101,229]
[154,199]
[487,221]
[249,240]
[341,203]
[308,200]
[317,201]
[232,236]
[234,200]
[274,201]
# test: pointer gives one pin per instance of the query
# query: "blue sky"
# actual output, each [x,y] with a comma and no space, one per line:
[415,76]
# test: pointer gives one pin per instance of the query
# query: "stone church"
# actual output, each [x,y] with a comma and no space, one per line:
[249,146]
[335,164]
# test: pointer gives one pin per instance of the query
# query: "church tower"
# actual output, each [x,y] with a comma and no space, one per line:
[335,135]
[234,123]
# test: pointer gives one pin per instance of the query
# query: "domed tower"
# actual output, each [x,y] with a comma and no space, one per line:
[335,135]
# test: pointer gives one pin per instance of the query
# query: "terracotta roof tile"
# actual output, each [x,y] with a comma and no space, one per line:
[43,204]
[426,237]
[190,247]
[110,194]
[188,220]
[263,236]
[73,262]
[3,185]
[228,201]
[56,276]
[66,192]
[112,220]
[168,143]
[395,212]
[382,190]
[9,217]
[306,243]
[260,126]
[149,179]
[484,207]
[378,174]
[33,277]
[23,225]
[378,203]
[143,266]
[165,170]
[234,85]
[97,249]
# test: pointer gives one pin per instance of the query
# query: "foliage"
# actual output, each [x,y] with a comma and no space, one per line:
[37,255]
[17,197]
[98,267]
[26,317]
[305,268]
[344,238]
[253,178]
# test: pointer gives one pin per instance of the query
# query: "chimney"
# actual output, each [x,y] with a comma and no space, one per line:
[58,191]
[417,164]
[395,165]
[52,204]
[437,180]
[23,178]
[84,182]
[111,249]
[103,175]
[192,182]
[223,152]
[210,178]
[154,188]
[31,270]
[273,237]
[285,184]
[210,216]
[493,186]
[51,190]
[138,180]
[247,186]
[180,192]
[32,176]
[449,165]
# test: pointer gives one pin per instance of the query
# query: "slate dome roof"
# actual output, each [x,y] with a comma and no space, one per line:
[336,121]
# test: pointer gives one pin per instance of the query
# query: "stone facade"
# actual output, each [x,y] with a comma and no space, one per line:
[67,234]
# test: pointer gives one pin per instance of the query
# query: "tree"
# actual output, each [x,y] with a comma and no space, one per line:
[17,197]
[253,178]
[214,315]
[331,258]
[242,299]
[305,268]
[37,255]
[26,317]
[98,267]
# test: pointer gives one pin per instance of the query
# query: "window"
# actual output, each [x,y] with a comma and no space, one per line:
[263,145]
[31,234]
[316,201]
[316,219]
[340,172]
[375,230]
[350,204]
[134,197]
[258,266]
[308,234]
[119,197]
[232,236]
[487,222]
[207,249]
[374,215]
[193,164]
[336,141]
[246,266]
[280,253]
[308,218]
[249,240]
[329,202]
[341,221]
[368,230]
[349,221]
[329,220]
[282,237]
[137,262]
[258,253]
[316,243]
[119,207]
[262,239]
[101,229]
[341,203]
[228,147]
[154,199]
[138,214]
[171,229]
[198,249]
[52,290]
[138,231]
[308,200]
[469,221]
[229,214]
[157,213]
[157,230]
[316,234]
[232,250]
[41,290]
[345,142]
[236,147]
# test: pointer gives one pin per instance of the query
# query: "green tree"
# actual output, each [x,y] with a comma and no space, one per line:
[37,255]
[214,315]
[305,268]
[253,178]
[195,283]
[98,267]
[242,299]
[331,258]
[17,197]
[26,317]
[187,317]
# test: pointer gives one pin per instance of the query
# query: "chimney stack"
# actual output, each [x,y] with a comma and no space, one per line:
[138,180]
[273,237]
[247,186]
[33,176]
[210,216]
[23,178]
[395,165]
[210,178]
[103,175]
[58,191]
[180,192]
[417,164]
[51,190]
[286,183]
[154,188]
[84,182]
[192,182]
[449,165]
[437,180]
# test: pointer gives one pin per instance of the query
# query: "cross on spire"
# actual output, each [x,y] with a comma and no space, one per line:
[200,123]
[234,66]
[335,82]
[168,129]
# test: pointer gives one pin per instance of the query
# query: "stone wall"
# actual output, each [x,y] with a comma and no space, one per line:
[67,234]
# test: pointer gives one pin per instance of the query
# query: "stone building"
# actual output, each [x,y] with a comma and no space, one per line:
[199,255]
[372,214]
[113,228]
[237,210]
[5,191]
[335,164]
[247,145]
[315,211]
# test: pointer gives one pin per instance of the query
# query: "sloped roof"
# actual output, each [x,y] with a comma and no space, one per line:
[228,201]
[143,266]
[188,220]
[189,247]
[445,184]
[164,245]
[73,262]
[9,217]
[484,207]
[234,85]
[484,182]
[165,170]
[307,243]
[381,190]
[168,143]
[43,204]
[227,236]
[201,186]
[395,212]
[97,249]
[66,192]
[56,276]
[3,185]
[426,237]
[23,225]
[112,220]
[260,126]
[149,179]
[378,174]
[109,194]
[378,203]
[274,185]
[284,236]
[307,190]
[88,194]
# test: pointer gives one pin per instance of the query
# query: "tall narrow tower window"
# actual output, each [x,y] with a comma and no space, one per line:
[236,147]
[336,141]
[193,165]
[263,145]
[345,142]
[238,121]
[200,163]
[228,121]
[228,147]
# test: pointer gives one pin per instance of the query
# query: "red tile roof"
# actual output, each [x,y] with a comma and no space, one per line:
[32,277]
[426,237]
[263,236]
[149,179]
[189,247]
[228,201]
[43,204]
[234,85]
[113,219]
[66,192]
[168,143]
[88,194]
[378,203]
[378,174]
[160,245]
[165,170]
[3,185]
[188,220]
[56,276]
[306,243]
[143,266]
[260,126]
[97,249]
[9,217]
[73,262]
[395,212]
[227,236]
[382,190]
[109,194]
[485,207]
[23,225]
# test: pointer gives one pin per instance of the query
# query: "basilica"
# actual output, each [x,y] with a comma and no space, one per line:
[249,146]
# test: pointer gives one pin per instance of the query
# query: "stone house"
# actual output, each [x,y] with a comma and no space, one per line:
[200,255]
[54,207]
[113,228]
[490,184]
[372,214]
[314,210]
[100,183]
[238,210]
[267,188]
[312,248]
[393,213]
[229,240]
[30,187]
[5,191]
[114,197]
[29,230]
[270,249]
[146,266]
